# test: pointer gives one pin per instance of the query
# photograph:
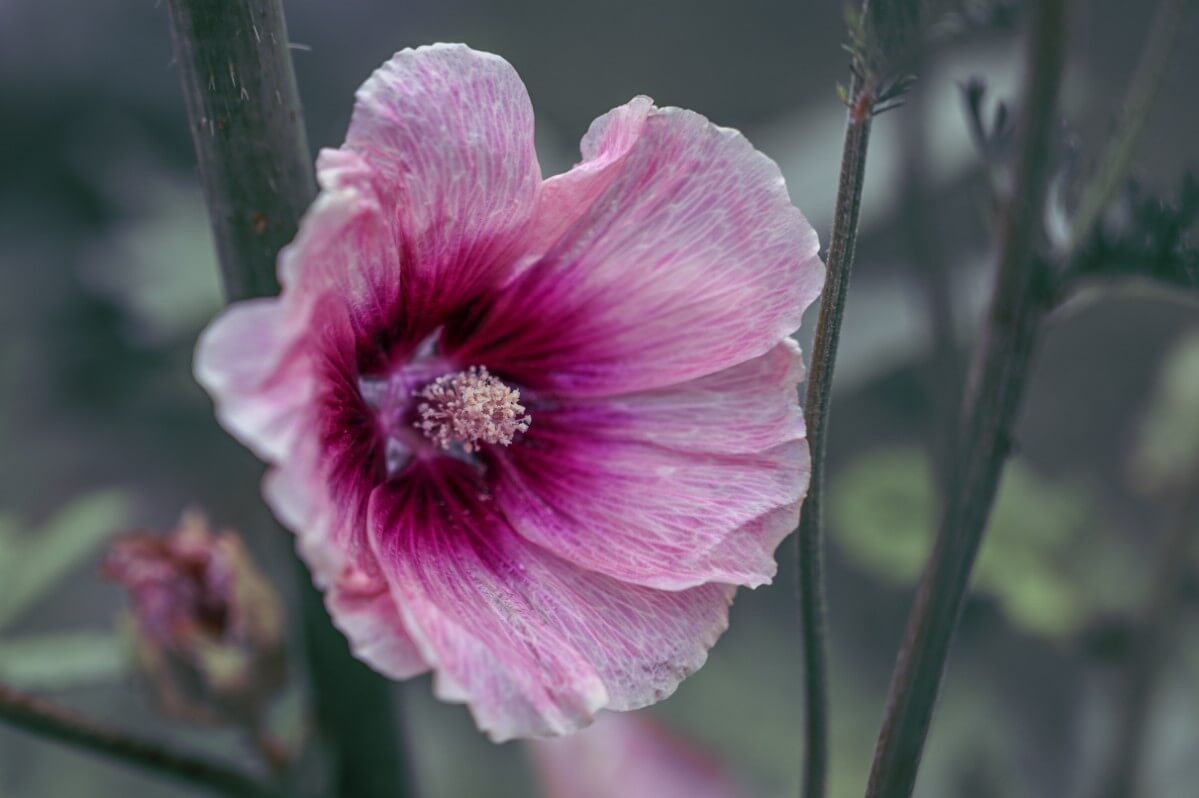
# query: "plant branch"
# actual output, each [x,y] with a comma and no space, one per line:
[999,373]
[816,412]
[247,126]
[41,717]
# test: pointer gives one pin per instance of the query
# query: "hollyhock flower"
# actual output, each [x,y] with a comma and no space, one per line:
[629,756]
[530,434]
[207,625]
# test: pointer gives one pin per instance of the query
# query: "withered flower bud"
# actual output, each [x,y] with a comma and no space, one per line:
[207,625]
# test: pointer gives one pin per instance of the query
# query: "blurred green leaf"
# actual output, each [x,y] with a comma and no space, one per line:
[57,661]
[1046,560]
[161,304]
[35,561]
[1167,450]
[882,506]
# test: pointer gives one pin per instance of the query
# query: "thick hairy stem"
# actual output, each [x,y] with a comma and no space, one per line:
[998,377]
[816,412]
[248,130]
[49,720]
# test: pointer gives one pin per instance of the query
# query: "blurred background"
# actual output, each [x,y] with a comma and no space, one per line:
[107,274]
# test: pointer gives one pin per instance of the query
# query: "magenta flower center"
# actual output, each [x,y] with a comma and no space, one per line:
[426,406]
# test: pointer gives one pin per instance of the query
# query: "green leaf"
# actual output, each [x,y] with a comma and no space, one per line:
[882,509]
[57,661]
[34,562]
[160,304]
[1046,559]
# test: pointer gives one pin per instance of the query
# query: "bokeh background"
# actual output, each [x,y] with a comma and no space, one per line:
[107,274]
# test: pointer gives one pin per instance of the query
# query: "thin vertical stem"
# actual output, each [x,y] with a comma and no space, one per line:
[816,412]
[999,373]
[41,717]
[248,130]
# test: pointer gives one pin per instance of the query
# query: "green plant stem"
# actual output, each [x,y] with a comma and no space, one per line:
[1153,632]
[41,717]
[998,377]
[816,413]
[256,168]
[248,131]
[1151,68]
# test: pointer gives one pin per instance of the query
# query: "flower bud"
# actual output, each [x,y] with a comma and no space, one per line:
[207,625]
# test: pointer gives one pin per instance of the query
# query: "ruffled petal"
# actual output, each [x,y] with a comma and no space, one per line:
[650,515]
[689,260]
[345,249]
[449,133]
[565,197]
[362,608]
[535,645]
[247,362]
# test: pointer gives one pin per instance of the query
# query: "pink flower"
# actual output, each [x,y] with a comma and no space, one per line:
[531,434]
[629,756]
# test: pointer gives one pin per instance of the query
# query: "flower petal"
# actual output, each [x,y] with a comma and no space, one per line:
[629,756]
[565,197]
[690,260]
[534,644]
[650,515]
[449,133]
[247,362]
[358,600]
[345,247]
[365,613]
[743,409]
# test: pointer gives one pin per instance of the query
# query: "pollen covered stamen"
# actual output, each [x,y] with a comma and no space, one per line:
[468,408]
